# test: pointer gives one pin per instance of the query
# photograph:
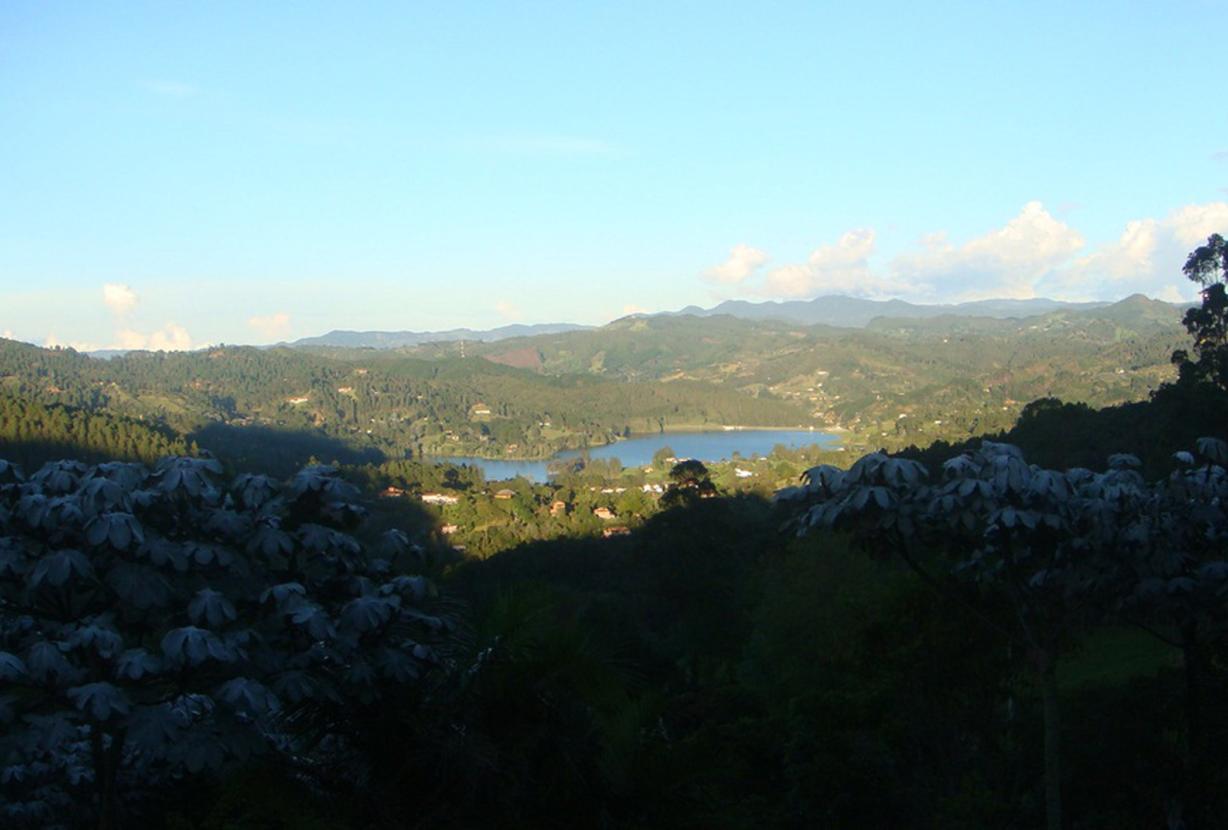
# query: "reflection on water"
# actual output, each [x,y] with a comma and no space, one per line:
[637,452]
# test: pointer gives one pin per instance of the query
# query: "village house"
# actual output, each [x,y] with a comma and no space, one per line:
[448,530]
[392,492]
[439,498]
[619,530]
[605,514]
[558,508]
[505,494]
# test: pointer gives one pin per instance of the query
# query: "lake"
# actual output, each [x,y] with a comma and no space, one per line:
[638,451]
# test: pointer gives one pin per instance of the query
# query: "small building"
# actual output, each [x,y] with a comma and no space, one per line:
[558,508]
[392,493]
[740,473]
[605,514]
[505,494]
[619,530]
[439,498]
[448,530]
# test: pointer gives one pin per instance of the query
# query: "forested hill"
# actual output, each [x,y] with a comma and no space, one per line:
[895,382]
[948,376]
[279,407]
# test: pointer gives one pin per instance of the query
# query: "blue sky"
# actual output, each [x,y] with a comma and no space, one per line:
[174,175]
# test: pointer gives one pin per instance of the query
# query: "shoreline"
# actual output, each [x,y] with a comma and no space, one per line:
[686,429]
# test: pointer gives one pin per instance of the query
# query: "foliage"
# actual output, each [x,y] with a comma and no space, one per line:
[1207,323]
[158,622]
[32,434]
[688,482]
[1054,546]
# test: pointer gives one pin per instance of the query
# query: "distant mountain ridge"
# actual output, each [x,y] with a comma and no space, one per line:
[832,310]
[397,339]
[853,312]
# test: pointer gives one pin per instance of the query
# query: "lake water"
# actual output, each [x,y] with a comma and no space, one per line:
[638,451]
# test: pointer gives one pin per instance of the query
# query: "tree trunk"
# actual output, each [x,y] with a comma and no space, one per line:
[1053,743]
[1195,734]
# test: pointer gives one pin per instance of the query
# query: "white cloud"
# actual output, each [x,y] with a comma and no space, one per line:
[1148,254]
[842,268]
[172,337]
[129,339]
[1172,294]
[8,335]
[271,326]
[1011,261]
[508,310]
[743,261]
[1033,254]
[53,342]
[119,298]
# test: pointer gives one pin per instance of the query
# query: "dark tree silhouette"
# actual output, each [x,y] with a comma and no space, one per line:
[688,482]
[1052,547]
[1208,322]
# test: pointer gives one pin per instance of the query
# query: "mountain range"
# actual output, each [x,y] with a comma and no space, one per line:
[398,339]
[833,310]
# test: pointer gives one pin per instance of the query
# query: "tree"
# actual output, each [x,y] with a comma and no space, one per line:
[688,482]
[662,456]
[1044,543]
[1208,323]
[156,622]
[1175,578]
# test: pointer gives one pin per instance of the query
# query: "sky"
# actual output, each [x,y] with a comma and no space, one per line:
[175,175]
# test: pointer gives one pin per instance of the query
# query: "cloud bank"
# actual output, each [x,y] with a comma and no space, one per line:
[271,326]
[743,261]
[120,300]
[1033,254]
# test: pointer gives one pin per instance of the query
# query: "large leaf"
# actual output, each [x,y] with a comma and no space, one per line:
[139,586]
[100,639]
[59,568]
[102,495]
[101,701]
[254,491]
[120,530]
[47,664]
[209,607]
[191,646]
[12,667]
[136,663]
[368,613]
[247,696]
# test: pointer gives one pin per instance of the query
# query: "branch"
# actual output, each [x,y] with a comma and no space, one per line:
[942,590]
